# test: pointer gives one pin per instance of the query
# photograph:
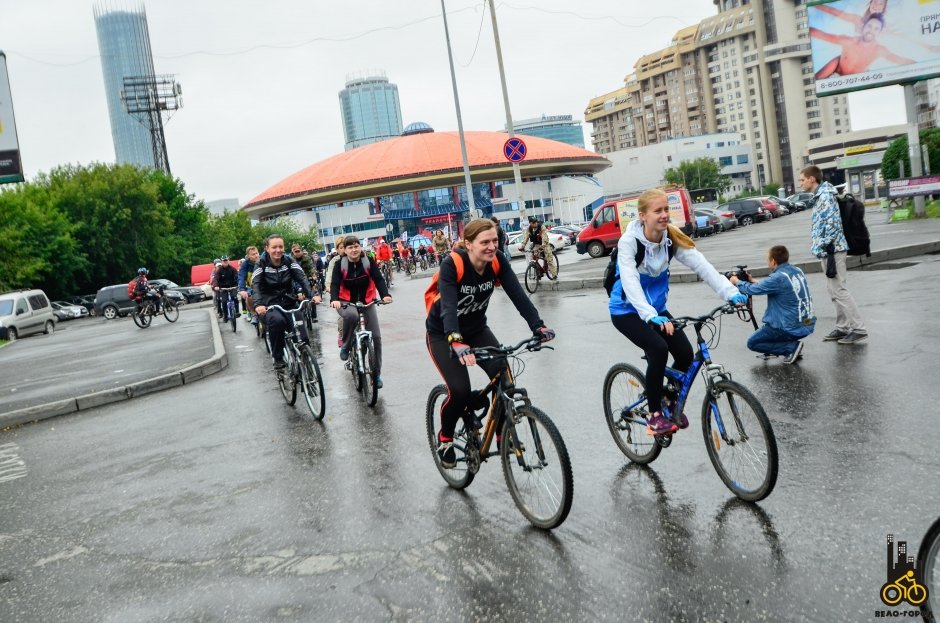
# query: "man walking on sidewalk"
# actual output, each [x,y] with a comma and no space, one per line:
[829,240]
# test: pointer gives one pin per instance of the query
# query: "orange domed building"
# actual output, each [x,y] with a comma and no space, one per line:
[415,184]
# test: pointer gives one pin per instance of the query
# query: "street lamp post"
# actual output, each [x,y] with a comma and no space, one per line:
[463,143]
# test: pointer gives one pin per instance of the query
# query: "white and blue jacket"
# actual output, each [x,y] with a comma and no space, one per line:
[644,289]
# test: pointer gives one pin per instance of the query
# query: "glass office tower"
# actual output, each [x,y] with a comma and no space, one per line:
[371,110]
[124,45]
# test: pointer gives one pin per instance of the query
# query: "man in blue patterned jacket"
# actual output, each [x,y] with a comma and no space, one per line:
[828,239]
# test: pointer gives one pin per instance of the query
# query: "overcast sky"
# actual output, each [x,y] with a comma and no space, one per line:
[260,79]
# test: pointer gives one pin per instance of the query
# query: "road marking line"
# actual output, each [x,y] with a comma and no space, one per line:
[11,465]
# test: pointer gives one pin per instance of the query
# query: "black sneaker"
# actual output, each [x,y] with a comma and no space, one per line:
[446,453]
[853,338]
[280,364]
[795,355]
[836,334]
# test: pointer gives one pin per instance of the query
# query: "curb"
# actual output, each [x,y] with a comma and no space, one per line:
[195,372]
[854,262]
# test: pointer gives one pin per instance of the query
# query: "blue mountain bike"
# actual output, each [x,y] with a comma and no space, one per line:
[738,436]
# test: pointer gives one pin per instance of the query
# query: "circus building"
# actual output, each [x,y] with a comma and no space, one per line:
[415,184]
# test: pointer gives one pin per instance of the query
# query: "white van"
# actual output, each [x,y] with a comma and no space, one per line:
[23,312]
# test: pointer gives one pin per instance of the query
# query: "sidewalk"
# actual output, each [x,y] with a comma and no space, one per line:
[107,361]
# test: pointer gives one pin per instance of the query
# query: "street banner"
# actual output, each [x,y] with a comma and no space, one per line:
[864,44]
[11,169]
[914,186]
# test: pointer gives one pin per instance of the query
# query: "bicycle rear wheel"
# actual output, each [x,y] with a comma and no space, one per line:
[626,410]
[285,377]
[928,562]
[171,310]
[532,278]
[263,334]
[142,317]
[312,383]
[370,393]
[460,476]
[740,441]
[536,467]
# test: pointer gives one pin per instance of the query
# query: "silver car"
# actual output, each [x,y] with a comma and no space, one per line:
[726,218]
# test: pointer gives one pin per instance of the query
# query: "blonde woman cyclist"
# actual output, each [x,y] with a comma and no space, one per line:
[638,298]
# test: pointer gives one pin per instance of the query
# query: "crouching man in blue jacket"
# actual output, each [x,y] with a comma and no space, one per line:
[789,316]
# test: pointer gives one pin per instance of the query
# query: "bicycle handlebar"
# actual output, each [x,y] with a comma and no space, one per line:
[532,343]
[680,322]
[288,311]
[364,305]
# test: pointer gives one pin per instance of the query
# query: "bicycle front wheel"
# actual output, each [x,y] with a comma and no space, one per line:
[928,561]
[311,383]
[740,441]
[142,317]
[370,393]
[536,467]
[458,477]
[532,278]
[171,311]
[626,410]
[285,377]
[233,314]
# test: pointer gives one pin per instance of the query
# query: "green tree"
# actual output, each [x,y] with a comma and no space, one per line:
[702,172]
[897,152]
[37,245]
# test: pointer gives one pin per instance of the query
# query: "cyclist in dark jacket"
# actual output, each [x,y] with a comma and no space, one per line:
[225,277]
[273,283]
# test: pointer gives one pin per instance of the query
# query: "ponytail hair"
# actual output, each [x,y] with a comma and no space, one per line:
[675,234]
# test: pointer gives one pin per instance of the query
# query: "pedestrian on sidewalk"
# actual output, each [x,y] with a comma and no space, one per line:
[789,316]
[830,246]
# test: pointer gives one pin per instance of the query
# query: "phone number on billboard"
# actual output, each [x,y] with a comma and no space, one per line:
[848,81]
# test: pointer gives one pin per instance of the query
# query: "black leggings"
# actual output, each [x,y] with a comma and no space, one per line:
[457,377]
[657,345]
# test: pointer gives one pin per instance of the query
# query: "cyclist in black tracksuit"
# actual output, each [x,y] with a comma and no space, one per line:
[274,282]
[456,321]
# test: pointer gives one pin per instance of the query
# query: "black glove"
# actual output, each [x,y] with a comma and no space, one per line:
[544,334]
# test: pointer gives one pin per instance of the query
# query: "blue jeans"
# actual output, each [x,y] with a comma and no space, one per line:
[771,341]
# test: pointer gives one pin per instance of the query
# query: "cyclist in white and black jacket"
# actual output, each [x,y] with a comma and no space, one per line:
[456,320]
[275,281]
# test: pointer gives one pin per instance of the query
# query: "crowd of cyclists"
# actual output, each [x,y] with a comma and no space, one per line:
[473,267]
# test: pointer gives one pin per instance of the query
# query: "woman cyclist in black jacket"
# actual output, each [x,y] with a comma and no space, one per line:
[456,320]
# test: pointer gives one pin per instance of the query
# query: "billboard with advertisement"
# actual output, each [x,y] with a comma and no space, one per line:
[11,169]
[864,44]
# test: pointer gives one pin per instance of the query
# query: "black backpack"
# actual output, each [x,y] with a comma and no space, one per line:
[852,212]
[610,272]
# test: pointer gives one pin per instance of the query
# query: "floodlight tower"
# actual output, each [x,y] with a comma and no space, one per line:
[148,98]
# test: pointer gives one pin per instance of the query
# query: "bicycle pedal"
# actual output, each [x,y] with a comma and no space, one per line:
[348,365]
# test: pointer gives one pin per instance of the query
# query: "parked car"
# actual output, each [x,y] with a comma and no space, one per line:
[23,312]
[87,301]
[113,301]
[570,231]
[557,241]
[779,207]
[63,310]
[706,224]
[192,294]
[747,211]
[726,218]
[800,201]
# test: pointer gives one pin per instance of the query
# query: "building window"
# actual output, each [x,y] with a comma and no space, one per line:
[742,159]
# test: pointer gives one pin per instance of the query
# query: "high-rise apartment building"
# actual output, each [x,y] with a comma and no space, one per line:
[124,45]
[371,110]
[746,70]
[561,128]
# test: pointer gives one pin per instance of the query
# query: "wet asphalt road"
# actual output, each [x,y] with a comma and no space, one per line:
[217,502]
